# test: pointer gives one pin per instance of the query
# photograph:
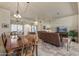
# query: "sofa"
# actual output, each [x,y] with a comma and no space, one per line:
[50,37]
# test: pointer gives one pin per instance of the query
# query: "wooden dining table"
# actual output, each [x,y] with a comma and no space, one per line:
[12,44]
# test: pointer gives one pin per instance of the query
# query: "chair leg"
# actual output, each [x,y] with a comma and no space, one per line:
[36,50]
[33,50]
[67,47]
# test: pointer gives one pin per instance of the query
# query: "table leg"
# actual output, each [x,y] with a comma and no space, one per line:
[36,50]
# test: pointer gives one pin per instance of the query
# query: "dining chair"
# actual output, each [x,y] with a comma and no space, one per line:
[17,51]
[4,39]
[30,47]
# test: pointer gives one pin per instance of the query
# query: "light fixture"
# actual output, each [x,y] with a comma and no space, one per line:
[36,23]
[17,14]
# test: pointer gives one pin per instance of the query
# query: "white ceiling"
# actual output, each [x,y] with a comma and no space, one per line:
[42,9]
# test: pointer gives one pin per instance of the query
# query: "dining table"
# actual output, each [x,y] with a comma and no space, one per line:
[13,42]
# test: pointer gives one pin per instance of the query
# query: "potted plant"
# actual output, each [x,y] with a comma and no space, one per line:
[73,35]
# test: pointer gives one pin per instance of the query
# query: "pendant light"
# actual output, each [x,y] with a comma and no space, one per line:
[17,14]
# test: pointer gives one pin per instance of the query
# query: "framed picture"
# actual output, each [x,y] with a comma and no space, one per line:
[5,25]
[44,27]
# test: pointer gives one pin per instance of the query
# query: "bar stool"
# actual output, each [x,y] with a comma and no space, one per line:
[66,41]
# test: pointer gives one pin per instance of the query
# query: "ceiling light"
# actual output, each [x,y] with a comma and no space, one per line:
[17,14]
[35,23]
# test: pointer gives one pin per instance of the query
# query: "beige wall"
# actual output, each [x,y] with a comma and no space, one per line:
[4,19]
[78,22]
[70,22]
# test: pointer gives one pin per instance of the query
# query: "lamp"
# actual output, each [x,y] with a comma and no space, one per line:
[17,14]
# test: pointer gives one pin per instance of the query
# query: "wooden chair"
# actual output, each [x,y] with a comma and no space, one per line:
[4,39]
[27,49]
[17,51]
[30,45]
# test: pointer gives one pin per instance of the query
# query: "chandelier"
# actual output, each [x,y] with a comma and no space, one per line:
[17,14]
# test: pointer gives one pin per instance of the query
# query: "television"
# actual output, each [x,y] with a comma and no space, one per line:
[61,29]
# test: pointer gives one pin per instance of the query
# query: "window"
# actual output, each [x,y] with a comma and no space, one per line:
[15,27]
[34,29]
[19,28]
[27,28]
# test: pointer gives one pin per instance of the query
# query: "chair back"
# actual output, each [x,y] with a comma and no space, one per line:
[4,39]
[29,48]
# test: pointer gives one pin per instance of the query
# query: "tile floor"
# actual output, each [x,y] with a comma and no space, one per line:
[45,49]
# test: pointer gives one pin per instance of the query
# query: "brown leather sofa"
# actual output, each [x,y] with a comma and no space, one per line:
[50,37]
